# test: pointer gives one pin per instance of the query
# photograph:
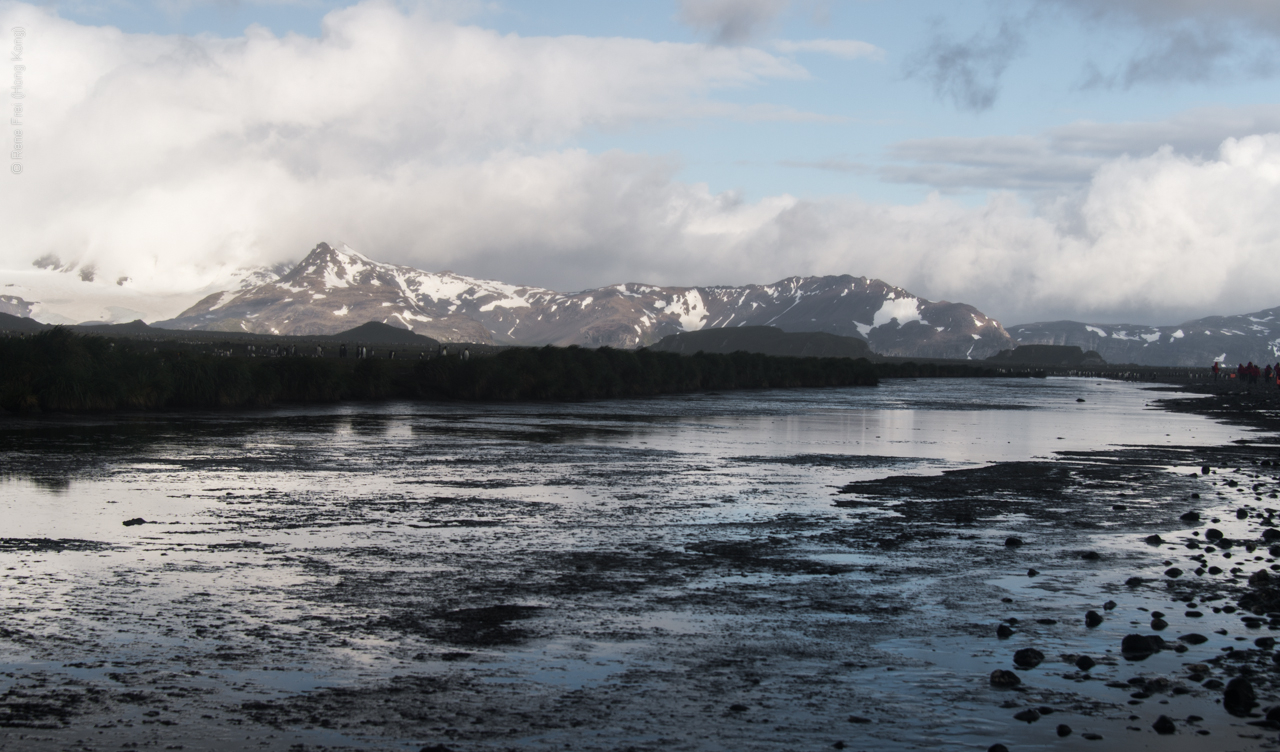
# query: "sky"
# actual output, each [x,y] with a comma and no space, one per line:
[1097,160]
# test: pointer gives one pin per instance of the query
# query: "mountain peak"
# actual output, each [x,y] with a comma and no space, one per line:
[335,288]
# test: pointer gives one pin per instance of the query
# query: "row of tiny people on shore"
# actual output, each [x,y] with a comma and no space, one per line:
[1250,373]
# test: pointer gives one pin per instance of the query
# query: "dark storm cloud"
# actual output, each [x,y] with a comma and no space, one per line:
[967,72]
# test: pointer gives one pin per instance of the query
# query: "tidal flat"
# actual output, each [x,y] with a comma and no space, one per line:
[787,569]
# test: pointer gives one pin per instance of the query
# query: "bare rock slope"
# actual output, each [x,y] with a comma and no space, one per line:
[333,289]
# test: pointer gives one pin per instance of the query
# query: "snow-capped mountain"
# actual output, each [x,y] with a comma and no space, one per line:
[333,289]
[1232,339]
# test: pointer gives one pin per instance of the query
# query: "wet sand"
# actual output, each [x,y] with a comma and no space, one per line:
[651,610]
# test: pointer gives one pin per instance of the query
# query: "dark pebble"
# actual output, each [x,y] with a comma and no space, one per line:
[1030,715]
[1084,663]
[134,521]
[1004,632]
[1028,658]
[435,748]
[1138,646]
[1194,639]
[1092,619]
[997,748]
[1109,606]
[1091,556]
[1194,614]
[1004,679]
[1032,572]
[1154,540]
[1173,572]
[1047,622]
[1164,725]
[1064,729]
[1092,737]
[1242,514]
[1212,534]
[737,708]
[1133,581]
[1159,624]
[1190,517]
[858,719]
[1012,542]
[1266,643]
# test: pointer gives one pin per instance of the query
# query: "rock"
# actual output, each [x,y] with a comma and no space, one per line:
[1004,631]
[1164,725]
[858,719]
[1153,540]
[1159,624]
[1242,514]
[1012,542]
[1091,736]
[738,707]
[1064,729]
[1213,534]
[997,748]
[839,745]
[1274,551]
[1259,578]
[1173,572]
[1194,614]
[1109,606]
[1084,663]
[1004,679]
[1032,572]
[1205,470]
[1266,643]
[1133,581]
[1239,698]
[1190,517]
[1028,658]
[1119,507]
[1092,619]
[134,521]
[1091,556]
[435,748]
[1270,534]
[1138,646]
[1079,399]
[1194,639]
[1030,715]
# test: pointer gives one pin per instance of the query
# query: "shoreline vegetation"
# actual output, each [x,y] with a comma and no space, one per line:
[62,371]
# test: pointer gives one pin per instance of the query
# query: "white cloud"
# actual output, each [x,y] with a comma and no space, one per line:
[173,161]
[849,49]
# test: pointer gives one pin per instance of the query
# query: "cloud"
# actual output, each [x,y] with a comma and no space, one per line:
[849,49]
[731,21]
[1196,41]
[1065,158]
[967,72]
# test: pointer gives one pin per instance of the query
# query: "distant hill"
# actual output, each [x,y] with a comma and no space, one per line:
[11,323]
[1231,339]
[765,340]
[1066,356]
[378,333]
[334,286]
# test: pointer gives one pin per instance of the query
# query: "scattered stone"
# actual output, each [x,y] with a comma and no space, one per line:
[1133,581]
[1012,542]
[1109,606]
[1004,631]
[1091,556]
[858,719]
[737,708]
[1032,572]
[1154,540]
[1028,658]
[1239,698]
[1064,729]
[1138,646]
[1260,578]
[1164,725]
[1092,619]
[134,521]
[1084,663]
[1030,715]
[1213,534]
[1194,639]
[1190,517]
[1266,643]
[1242,514]
[1194,614]
[1205,470]
[997,748]
[1004,679]
[1091,736]
[435,748]
[1159,624]
[1173,572]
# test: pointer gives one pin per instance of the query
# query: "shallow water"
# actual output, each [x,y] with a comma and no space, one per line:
[299,548]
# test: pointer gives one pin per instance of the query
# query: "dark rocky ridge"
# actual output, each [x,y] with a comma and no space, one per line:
[1064,356]
[766,340]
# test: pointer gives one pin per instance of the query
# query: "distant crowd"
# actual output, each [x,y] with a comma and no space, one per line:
[1249,373]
